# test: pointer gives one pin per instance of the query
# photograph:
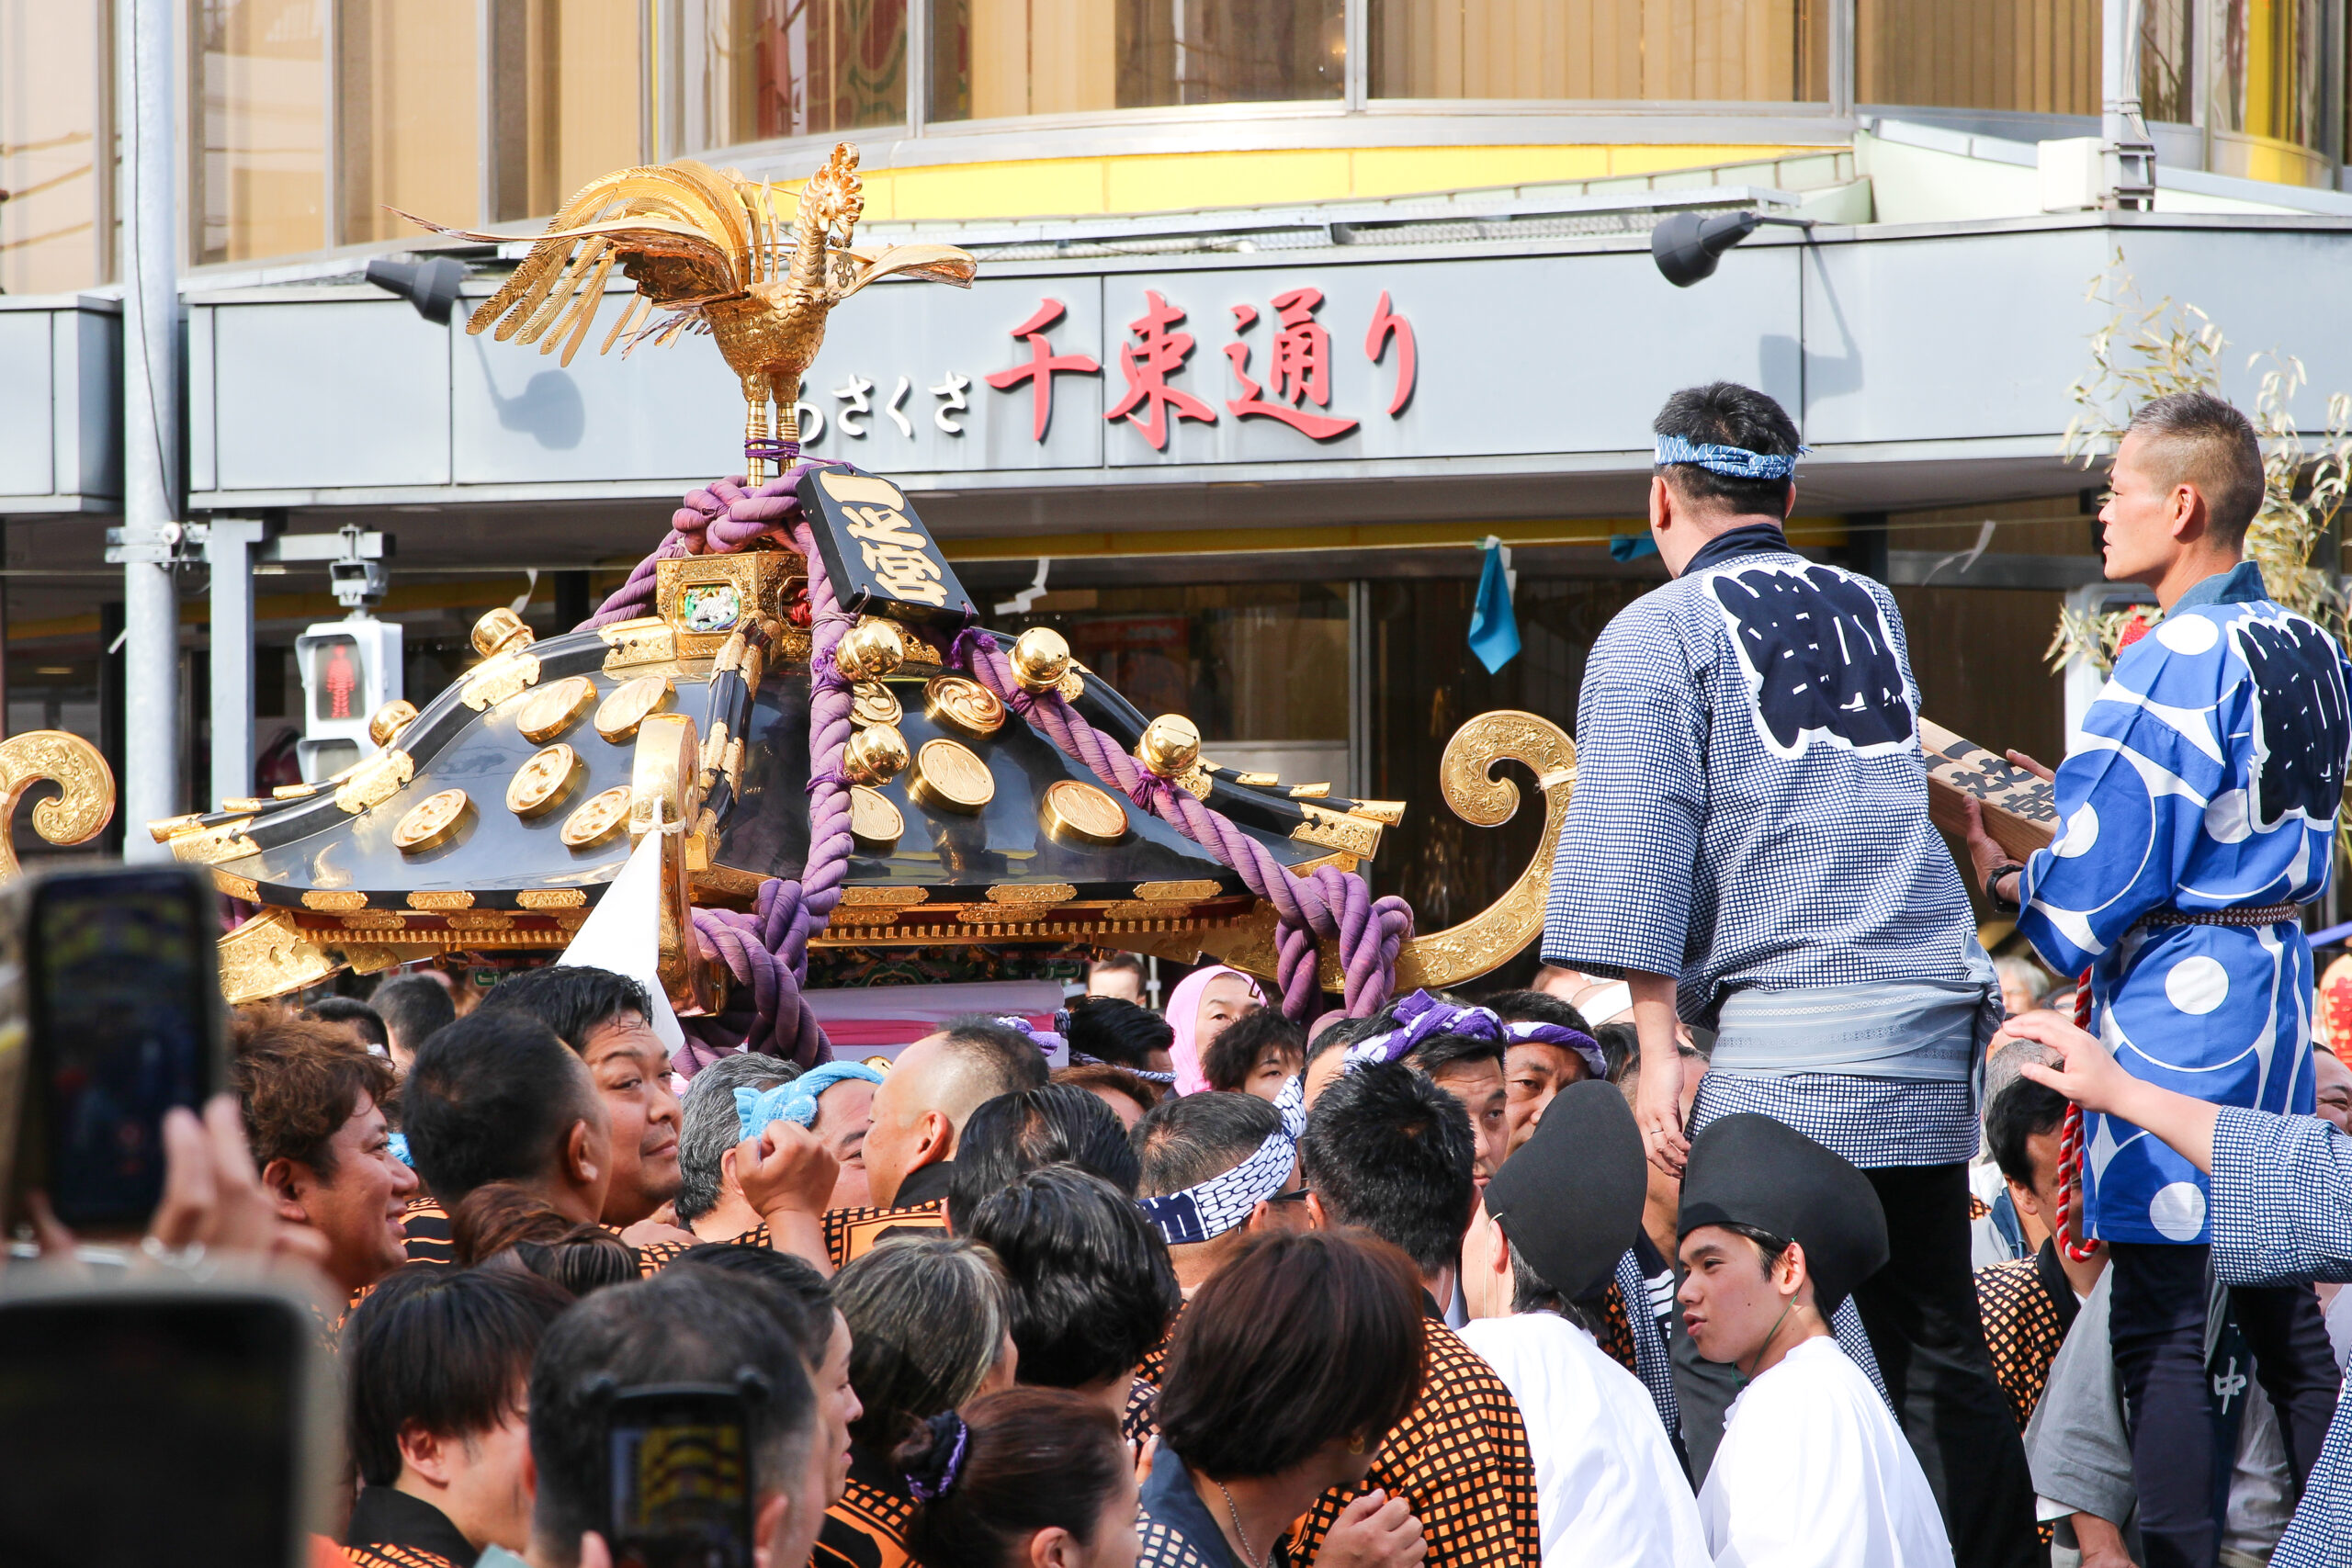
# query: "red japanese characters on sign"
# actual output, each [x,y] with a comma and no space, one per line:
[1045,364]
[1298,364]
[1302,368]
[1148,364]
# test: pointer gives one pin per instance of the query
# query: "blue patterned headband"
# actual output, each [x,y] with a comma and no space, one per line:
[1214,1207]
[795,1102]
[1732,462]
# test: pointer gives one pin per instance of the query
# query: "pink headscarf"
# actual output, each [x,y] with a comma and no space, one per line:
[1184,1016]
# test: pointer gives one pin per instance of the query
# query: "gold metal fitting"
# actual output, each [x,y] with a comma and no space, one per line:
[551,710]
[431,822]
[1077,812]
[871,701]
[630,704]
[539,785]
[957,701]
[598,818]
[874,823]
[1040,659]
[872,650]
[384,725]
[501,631]
[875,754]
[1170,745]
[948,777]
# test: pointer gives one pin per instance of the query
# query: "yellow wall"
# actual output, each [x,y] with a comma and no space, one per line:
[1052,187]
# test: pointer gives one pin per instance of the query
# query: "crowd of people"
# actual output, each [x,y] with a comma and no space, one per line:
[1775,1223]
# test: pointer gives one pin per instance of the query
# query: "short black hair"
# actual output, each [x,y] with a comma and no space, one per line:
[1535,1006]
[804,1301]
[490,1098]
[1303,1337]
[350,1009]
[1389,1152]
[1226,1062]
[684,1325]
[1439,1052]
[1184,1142]
[1015,1134]
[2020,1110]
[448,1349]
[1620,1047]
[1092,1288]
[1009,1060]
[573,999]
[1113,1030]
[414,1008]
[709,1125]
[1018,1461]
[1346,1032]
[2205,440]
[1725,414]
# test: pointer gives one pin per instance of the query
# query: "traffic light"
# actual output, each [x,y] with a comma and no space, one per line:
[349,669]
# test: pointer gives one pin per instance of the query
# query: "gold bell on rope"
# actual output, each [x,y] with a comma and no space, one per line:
[1170,745]
[1040,659]
[872,650]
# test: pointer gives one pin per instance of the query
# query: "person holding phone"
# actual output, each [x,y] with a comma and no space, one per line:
[672,1423]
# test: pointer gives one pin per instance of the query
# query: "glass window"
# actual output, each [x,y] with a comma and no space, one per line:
[773,68]
[1722,51]
[992,59]
[52,63]
[409,113]
[2033,56]
[261,71]
[2267,62]
[2167,69]
[565,97]
[1231,51]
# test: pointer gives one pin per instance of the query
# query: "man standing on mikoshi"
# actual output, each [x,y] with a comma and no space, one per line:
[2197,813]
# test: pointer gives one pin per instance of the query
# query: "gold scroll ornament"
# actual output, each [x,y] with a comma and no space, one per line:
[1495,934]
[78,814]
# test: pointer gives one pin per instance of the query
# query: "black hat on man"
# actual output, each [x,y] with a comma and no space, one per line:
[1570,1200]
[1751,1170]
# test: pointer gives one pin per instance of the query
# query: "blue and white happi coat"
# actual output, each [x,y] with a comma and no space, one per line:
[1750,814]
[2208,776]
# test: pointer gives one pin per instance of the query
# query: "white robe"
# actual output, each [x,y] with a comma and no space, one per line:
[1813,1472]
[1610,1493]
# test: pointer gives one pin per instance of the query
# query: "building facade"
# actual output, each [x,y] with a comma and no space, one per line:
[1284,307]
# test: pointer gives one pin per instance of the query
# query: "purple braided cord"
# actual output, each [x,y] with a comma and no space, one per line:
[767,949]
[1330,903]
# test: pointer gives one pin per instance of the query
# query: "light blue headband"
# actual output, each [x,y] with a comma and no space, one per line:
[797,1101]
[1732,462]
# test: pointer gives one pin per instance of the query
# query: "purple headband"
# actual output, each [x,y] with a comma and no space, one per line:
[1423,1016]
[1420,1017]
[1043,1039]
[927,1494]
[1560,1034]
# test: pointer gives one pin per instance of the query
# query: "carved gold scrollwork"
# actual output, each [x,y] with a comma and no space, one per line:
[75,816]
[1497,933]
[268,956]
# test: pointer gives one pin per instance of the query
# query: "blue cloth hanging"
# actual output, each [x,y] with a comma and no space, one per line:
[1494,629]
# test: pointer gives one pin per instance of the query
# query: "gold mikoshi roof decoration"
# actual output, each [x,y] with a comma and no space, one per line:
[496,815]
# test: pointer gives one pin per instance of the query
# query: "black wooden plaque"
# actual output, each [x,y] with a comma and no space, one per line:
[881,558]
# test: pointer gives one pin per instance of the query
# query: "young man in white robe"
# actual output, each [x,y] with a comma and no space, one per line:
[1812,1471]
[1610,1491]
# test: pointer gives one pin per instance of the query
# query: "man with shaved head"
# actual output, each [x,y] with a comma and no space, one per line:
[918,1113]
[2199,815]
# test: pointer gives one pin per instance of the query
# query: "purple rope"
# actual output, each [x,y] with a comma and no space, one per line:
[766,950]
[1329,904]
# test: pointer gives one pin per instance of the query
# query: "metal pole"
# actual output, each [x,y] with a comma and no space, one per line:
[149,423]
[2127,159]
[228,547]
